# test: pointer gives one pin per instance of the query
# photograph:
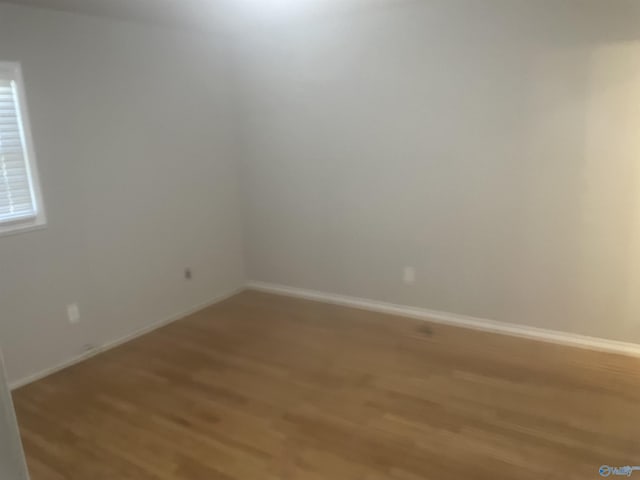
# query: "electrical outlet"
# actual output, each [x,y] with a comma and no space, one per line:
[409,275]
[73,313]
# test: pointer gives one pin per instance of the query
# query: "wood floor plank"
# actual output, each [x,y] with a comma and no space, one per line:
[267,387]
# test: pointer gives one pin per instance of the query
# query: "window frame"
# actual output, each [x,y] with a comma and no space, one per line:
[10,227]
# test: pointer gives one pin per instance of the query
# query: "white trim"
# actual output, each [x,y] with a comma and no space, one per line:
[115,343]
[552,336]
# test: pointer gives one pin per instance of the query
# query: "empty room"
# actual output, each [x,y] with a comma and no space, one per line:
[319,239]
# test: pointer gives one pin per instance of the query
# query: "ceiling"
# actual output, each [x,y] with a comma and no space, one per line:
[202,14]
[167,12]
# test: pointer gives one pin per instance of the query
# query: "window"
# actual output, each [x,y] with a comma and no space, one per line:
[20,200]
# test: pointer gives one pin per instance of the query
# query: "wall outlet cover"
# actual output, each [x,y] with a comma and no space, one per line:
[73,313]
[409,275]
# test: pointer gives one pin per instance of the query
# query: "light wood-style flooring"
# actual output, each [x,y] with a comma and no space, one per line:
[263,387]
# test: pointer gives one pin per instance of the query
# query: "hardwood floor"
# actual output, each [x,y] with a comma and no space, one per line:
[268,387]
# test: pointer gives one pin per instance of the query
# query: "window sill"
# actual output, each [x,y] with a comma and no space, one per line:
[22,227]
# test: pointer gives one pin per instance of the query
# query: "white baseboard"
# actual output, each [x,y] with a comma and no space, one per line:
[114,343]
[553,336]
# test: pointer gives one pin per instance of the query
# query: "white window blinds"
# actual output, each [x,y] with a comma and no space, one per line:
[19,190]
[16,196]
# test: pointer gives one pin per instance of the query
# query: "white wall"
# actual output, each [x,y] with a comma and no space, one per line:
[134,137]
[494,145]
